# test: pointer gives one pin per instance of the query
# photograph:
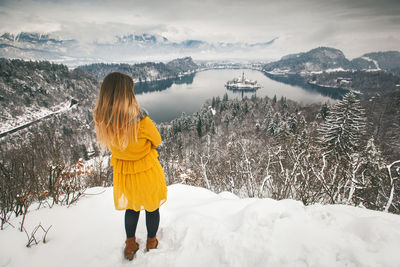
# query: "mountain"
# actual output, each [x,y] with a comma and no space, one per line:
[315,60]
[326,59]
[143,38]
[389,60]
[124,49]
[202,228]
[30,38]
[35,46]
[149,71]
[182,65]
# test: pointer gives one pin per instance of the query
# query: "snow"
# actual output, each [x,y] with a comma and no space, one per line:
[201,228]
[32,114]
[95,162]
[278,71]
[213,111]
[327,71]
[335,70]
[309,69]
[153,73]
[372,60]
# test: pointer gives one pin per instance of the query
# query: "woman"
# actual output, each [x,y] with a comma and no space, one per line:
[131,136]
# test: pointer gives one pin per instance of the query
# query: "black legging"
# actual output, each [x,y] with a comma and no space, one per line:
[132,218]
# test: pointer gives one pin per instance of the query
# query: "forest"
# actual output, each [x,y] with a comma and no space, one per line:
[368,83]
[261,147]
[148,71]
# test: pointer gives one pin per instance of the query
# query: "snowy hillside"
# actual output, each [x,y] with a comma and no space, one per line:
[316,60]
[149,71]
[327,59]
[30,91]
[200,228]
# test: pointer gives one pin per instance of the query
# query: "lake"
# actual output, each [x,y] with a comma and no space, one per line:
[166,100]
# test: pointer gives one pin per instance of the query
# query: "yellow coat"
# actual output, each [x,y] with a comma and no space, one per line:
[138,178]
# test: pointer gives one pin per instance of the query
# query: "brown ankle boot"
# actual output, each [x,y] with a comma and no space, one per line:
[130,248]
[151,243]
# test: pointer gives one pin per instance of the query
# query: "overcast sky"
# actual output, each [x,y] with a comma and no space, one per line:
[354,26]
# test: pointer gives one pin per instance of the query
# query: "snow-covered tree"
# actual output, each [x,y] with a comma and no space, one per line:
[212,128]
[343,127]
[324,111]
[373,177]
[274,125]
[292,122]
[198,127]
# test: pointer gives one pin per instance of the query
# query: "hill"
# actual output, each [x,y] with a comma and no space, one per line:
[389,60]
[142,72]
[366,83]
[327,59]
[201,228]
[325,68]
[30,90]
[315,60]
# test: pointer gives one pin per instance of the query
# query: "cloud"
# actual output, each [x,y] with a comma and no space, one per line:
[299,24]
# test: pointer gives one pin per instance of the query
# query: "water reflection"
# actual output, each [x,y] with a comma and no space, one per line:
[243,93]
[293,80]
[145,87]
[297,80]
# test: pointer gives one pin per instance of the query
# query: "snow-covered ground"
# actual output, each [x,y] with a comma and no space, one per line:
[372,60]
[280,72]
[201,228]
[309,69]
[32,114]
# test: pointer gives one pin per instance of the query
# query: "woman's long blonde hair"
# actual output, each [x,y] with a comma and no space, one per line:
[116,114]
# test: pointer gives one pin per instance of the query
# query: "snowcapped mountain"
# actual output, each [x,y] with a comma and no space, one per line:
[201,228]
[144,38]
[30,38]
[126,48]
[35,46]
